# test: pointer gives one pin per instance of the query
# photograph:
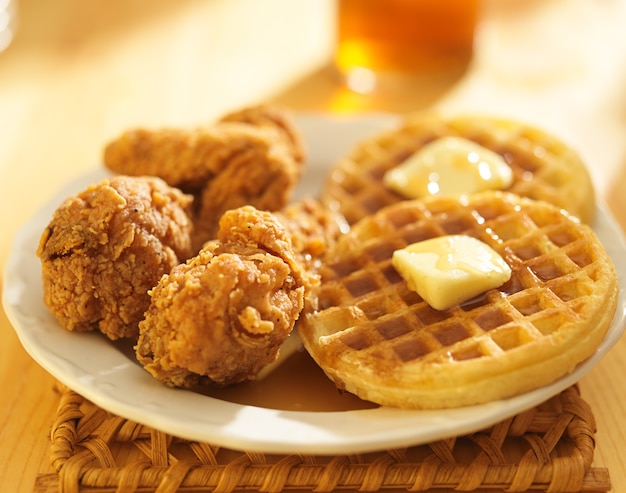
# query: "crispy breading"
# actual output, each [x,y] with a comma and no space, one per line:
[186,158]
[222,316]
[251,157]
[106,246]
[277,117]
[313,227]
[263,175]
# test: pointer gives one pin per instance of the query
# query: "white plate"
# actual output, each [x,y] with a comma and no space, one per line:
[105,375]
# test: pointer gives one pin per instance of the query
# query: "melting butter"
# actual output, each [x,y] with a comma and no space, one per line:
[449,166]
[449,270]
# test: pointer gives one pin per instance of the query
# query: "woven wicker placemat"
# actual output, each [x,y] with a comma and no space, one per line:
[547,448]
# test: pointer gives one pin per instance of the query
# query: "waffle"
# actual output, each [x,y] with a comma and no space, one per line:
[379,340]
[543,167]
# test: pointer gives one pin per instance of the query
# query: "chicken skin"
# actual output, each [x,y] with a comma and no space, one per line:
[107,246]
[186,158]
[221,317]
[313,227]
[263,176]
[251,157]
[276,117]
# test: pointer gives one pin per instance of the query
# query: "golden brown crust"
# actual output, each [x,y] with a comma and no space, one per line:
[107,246]
[544,167]
[375,337]
[251,157]
[262,174]
[185,158]
[223,315]
[313,229]
[273,116]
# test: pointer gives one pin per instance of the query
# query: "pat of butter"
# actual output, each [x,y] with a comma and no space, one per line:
[449,270]
[449,166]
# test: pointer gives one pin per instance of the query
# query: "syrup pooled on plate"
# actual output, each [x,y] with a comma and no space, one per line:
[296,384]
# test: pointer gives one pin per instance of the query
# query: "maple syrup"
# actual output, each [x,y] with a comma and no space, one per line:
[298,384]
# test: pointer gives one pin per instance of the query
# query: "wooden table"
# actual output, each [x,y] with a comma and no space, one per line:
[79,73]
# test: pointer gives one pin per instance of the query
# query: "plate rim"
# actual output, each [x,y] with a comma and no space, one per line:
[299,431]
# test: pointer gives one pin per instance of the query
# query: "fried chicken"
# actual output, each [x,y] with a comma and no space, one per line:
[313,227]
[277,117]
[107,246]
[186,158]
[222,316]
[261,175]
[251,157]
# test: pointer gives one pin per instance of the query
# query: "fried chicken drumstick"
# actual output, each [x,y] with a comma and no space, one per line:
[107,246]
[222,316]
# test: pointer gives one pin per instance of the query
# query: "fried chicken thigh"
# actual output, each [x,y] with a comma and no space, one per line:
[107,246]
[222,316]
[186,158]
[313,227]
[263,175]
[251,157]
[276,117]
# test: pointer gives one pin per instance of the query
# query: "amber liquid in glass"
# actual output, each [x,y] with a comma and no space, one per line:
[404,37]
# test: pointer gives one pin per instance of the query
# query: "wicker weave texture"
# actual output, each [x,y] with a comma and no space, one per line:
[547,448]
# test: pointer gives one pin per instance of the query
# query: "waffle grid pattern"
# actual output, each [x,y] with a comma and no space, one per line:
[553,267]
[543,167]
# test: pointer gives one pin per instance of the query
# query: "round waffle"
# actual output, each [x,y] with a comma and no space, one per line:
[543,167]
[376,338]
